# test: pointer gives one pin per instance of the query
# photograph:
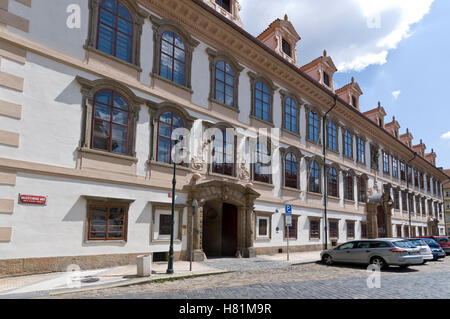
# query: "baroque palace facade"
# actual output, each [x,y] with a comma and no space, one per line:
[87,115]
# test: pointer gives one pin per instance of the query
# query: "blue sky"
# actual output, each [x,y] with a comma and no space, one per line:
[388,46]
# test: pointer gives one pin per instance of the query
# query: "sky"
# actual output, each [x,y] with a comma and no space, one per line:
[397,50]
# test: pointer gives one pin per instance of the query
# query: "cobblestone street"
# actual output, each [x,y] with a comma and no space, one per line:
[262,279]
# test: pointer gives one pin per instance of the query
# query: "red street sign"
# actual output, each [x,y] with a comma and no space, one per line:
[30,199]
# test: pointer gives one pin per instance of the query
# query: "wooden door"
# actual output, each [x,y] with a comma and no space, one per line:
[229,230]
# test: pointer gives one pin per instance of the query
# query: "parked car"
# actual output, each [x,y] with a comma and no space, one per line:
[443,241]
[425,250]
[381,252]
[436,249]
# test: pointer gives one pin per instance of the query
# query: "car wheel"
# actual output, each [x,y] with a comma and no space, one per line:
[327,260]
[378,261]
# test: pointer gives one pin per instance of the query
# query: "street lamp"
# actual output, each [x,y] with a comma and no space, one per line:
[194,210]
[172,219]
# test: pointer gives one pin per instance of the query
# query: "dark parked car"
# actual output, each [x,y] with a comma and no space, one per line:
[443,241]
[436,249]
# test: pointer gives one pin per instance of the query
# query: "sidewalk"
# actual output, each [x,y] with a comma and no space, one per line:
[66,282]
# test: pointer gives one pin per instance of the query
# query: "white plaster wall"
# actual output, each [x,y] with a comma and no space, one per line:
[58,229]
[48,25]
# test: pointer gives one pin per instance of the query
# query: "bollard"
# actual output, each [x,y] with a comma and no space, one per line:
[144,266]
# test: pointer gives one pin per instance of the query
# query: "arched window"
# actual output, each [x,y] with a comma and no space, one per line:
[110,122]
[314,177]
[290,115]
[333,182]
[332,136]
[313,127]
[348,144]
[262,101]
[291,171]
[173,58]
[115,30]
[348,186]
[224,83]
[223,154]
[167,123]
[362,190]
[262,163]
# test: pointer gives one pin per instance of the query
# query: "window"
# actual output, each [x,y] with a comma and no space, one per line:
[334,229]
[314,177]
[333,182]
[224,4]
[354,101]
[363,230]
[292,229]
[262,164]
[416,179]
[404,202]
[115,30]
[314,229]
[107,222]
[263,227]
[167,123]
[290,115]
[394,167]
[313,127]
[402,171]
[332,136]
[110,122]
[326,79]
[362,189]
[396,199]
[428,183]
[374,157]
[417,204]
[386,168]
[348,186]
[173,47]
[164,224]
[350,229]
[262,102]
[361,150]
[173,58]
[223,154]
[410,175]
[346,246]
[291,171]
[348,144]
[286,48]
[399,231]
[224,84]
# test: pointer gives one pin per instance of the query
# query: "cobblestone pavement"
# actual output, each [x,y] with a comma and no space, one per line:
[295,281]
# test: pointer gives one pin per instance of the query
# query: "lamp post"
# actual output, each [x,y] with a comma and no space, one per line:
[172,219]
[194,211]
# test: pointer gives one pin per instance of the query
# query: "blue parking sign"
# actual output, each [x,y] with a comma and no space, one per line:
[288,209]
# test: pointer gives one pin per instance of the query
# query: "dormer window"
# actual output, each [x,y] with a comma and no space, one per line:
[326,79]
[226,4]
[287,48]
[354,101]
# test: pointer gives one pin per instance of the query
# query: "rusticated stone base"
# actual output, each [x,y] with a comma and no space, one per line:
[29,266]
[293,249]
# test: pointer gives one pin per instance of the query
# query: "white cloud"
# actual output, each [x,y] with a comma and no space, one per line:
[446,136]
[356,33]
[396,94]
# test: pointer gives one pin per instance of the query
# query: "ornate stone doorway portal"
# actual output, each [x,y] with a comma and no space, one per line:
[379,216]
[223,225]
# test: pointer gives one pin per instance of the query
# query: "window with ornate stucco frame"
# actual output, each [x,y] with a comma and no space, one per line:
[335,141]
[309,137]
[266,219]
[315,228]
[283,152]
[156,110]
[319,162]
[214,58]
[159,27]
[255,78]
[284,96]
[139,16]
[88,90]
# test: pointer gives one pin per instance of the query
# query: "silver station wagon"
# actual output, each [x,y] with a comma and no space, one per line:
[380,252]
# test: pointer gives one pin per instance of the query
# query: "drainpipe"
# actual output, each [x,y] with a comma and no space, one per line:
[324,150]
[407,192]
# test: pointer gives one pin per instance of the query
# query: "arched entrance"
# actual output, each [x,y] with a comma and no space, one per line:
[379,215]
[223,225]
